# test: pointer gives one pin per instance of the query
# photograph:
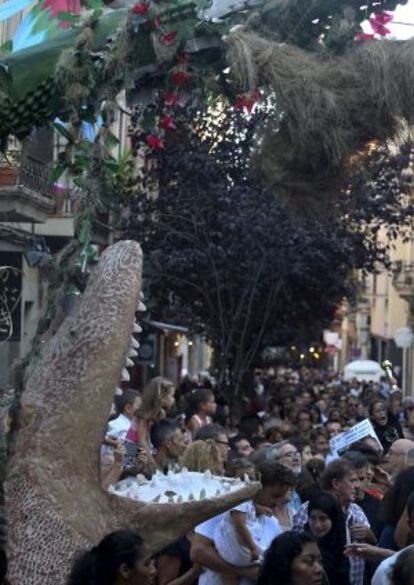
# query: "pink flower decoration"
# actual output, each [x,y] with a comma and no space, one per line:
[378,22]
[363,37]
[57,6]
[168,38]
[379,29]
[247,102]
[182,58]
[141,8]
[155,142]
[156,23]
[170,99]
[179,77]
[168,123]
[384,17]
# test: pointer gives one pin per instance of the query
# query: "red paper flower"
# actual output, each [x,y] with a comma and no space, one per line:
[141,8]
[379,29]
[239,105]
[168,123]
[168,38]
[247,102]
[170,99]
[363,37]
[156,22]
[155,142]
[179,77]
[383,17]
[378,22]
[57,6]
[182,58]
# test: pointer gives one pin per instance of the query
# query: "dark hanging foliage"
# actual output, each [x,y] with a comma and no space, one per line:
[226,257]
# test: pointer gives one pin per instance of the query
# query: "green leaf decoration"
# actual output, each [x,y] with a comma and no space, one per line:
[56,172]
[85,233]
[68,17]
[148,121]
[111,140]
[92,253]
[62,130]
[96,4]
[32,66]
[111,165]
[7,47]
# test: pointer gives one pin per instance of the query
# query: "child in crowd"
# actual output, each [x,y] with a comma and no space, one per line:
[127,405]
[112,450]
[245,532]
[203,405]
[157,401]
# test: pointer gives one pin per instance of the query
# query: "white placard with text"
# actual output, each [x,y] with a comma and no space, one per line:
[341,442]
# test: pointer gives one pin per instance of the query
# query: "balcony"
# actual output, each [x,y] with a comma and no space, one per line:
[24,190]
[403,279]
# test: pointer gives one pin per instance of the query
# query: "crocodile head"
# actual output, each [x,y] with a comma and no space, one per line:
[55,503]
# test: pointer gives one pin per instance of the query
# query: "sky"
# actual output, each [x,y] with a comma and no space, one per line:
[401,14]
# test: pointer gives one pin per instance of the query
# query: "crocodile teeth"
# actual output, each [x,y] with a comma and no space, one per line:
[132,353]
[136,328]
[134,342]
[141,307]
[119,391]
[141,295]
[125,375]
[129,363]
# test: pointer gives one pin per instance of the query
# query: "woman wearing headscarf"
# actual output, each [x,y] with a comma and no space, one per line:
[327,525]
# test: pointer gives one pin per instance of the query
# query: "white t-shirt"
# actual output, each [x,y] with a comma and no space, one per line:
[118,427]
[382,575]
[208,530]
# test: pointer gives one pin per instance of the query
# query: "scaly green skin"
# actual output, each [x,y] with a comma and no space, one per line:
[55,503]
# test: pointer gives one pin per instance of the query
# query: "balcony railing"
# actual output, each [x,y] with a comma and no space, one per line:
[34,175]
[25,193]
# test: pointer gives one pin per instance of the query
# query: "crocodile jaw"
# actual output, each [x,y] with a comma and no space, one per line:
[55,502]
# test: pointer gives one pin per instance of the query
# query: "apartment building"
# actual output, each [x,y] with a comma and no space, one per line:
[36,221]
[385,306]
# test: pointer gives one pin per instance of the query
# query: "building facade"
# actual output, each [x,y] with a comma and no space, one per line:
[385,306]
[37,221]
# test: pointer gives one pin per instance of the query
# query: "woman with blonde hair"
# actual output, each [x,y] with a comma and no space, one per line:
[157,402]
[202,456]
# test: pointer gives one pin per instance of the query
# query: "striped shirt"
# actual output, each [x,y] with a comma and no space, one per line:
[354,515]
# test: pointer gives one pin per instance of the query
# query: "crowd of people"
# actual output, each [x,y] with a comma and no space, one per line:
[321,517]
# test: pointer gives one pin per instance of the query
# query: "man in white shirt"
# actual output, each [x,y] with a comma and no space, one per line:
[203,550]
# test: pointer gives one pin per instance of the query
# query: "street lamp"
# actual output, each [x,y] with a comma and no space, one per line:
[403,338]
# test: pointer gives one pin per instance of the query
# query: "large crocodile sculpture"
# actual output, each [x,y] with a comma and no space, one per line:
[55,503]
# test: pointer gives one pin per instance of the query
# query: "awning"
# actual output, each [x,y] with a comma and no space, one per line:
[363,370]
[166,326]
